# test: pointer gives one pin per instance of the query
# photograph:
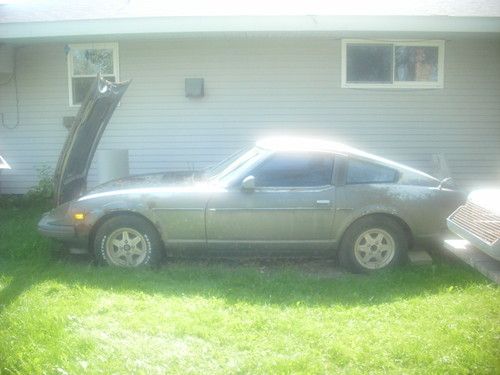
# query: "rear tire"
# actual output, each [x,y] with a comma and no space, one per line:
[127,241]
[372,244]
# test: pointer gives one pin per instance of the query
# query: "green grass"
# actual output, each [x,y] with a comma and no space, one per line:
[63,316]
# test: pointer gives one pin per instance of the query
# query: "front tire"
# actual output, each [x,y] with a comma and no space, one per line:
[371,244]
[127,241]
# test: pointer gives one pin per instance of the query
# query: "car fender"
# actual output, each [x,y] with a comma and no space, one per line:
[97,211]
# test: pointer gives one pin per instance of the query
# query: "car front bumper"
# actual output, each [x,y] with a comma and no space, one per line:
[493,250]
[66,233]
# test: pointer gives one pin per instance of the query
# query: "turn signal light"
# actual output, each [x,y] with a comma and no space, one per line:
[79,216]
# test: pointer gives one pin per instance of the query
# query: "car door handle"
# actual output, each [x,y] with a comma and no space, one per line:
[323,202]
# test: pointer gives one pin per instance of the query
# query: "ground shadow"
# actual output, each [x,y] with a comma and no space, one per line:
[265,281]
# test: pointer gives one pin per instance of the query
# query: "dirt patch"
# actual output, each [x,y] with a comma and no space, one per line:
[319,267]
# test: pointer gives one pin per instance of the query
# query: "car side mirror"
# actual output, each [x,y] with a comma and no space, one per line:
[248,183]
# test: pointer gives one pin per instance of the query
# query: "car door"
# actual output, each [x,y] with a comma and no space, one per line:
[292,204]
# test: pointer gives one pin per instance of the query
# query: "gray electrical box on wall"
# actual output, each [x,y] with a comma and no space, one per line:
[194,87]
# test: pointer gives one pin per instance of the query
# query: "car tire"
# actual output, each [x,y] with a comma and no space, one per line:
[372,244]
[127,241]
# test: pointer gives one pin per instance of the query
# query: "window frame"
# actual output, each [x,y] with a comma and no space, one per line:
[439,84]
[69,58]
[295,188]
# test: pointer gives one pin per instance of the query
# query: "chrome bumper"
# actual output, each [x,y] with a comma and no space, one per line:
[493,250]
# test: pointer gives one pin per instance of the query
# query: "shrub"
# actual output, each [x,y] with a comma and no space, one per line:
[44,190]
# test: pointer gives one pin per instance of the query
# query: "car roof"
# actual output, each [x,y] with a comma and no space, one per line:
[310,144]
[303,144]
[294,144]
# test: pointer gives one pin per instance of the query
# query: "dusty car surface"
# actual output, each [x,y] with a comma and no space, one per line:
[282,195]
[478,221]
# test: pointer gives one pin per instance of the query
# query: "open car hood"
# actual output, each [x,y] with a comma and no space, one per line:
[70,179]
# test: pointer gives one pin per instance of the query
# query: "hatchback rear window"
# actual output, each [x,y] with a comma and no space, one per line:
[363,172]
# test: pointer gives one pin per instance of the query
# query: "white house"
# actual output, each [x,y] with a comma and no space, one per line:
[418,82]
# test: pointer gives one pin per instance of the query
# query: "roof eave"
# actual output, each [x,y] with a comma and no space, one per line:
[186,25]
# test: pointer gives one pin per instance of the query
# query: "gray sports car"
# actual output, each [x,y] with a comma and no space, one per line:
[282,195]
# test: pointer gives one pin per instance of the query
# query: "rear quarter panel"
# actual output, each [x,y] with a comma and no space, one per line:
[423,208]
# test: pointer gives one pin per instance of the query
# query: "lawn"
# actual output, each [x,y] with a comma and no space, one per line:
[62,316]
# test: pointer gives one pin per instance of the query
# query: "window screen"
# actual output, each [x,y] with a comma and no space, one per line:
[363,172]
[294,170]
[369,63]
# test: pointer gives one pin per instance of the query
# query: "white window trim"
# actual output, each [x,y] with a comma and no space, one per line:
[439,84]
[116,65]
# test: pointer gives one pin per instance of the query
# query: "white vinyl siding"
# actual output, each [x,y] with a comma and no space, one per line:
[254,87]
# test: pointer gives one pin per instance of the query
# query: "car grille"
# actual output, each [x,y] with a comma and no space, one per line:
[478,221]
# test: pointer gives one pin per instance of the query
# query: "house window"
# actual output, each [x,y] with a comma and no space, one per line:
[84,62]
[392,64]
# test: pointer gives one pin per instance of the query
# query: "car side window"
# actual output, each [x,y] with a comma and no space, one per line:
[363,172]
[293,169]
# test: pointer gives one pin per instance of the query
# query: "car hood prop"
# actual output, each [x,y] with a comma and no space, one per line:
[70,178]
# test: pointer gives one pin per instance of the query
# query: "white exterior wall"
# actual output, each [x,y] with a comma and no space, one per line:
[256,87]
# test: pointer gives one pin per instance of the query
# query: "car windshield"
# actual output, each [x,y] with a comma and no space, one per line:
[231,163]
